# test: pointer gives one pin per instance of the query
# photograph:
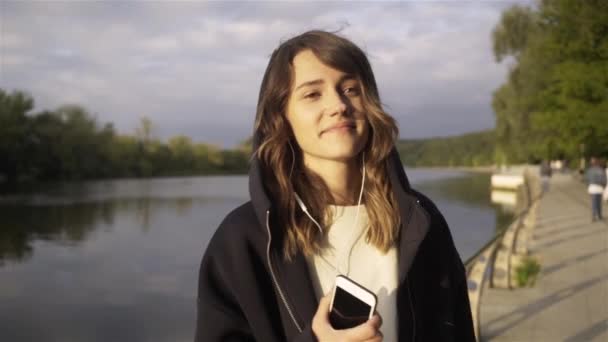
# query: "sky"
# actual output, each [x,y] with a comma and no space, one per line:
[195,68]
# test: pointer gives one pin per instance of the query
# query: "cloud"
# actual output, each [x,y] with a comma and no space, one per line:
[11,41]
[195,68]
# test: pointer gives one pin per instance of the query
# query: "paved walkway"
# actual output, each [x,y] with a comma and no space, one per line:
[570,299]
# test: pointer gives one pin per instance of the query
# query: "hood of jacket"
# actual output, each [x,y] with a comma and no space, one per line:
[293,276]
[415,220]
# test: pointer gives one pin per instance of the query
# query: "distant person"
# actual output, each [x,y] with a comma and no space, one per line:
[545,174]
[329,196]
[596,178]
[606,187]
[565,166]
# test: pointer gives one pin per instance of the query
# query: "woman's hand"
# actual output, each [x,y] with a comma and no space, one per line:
[321,327]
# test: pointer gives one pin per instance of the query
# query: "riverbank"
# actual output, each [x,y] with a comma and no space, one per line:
[472,169]
[32,185]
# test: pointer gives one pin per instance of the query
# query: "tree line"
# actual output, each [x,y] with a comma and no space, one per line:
[69,144]
[472,149]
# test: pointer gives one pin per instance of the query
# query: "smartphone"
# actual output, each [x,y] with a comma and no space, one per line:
[351,304]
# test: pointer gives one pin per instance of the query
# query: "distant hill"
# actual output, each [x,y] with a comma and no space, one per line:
[471,149]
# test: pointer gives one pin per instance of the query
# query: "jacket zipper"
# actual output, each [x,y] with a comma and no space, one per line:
[409,294]
[407,282]
[274,278]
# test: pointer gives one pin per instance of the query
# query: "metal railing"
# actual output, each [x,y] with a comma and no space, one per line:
[480,266]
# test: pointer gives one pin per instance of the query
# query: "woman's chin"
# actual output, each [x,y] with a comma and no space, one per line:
[342,155]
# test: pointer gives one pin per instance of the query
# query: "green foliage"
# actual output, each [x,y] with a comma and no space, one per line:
[68,144]
[527,271]
[555,101]
[473,149]
[510,36]
[15,132]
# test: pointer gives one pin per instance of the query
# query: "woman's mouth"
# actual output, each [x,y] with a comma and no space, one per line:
[341,128]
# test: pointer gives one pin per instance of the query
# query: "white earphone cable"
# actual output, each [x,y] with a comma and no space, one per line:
[340,259]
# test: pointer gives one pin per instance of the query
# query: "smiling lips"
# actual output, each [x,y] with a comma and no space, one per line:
[340,126]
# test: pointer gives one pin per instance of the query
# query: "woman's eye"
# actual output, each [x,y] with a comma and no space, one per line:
[353,91]
[313,95]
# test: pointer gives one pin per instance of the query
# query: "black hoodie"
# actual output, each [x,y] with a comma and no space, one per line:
[248,292]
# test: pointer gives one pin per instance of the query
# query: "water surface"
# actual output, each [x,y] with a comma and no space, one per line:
[118,260]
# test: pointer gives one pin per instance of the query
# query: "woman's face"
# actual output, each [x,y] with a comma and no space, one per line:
[325,111]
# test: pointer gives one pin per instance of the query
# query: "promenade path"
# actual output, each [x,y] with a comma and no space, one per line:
[569,301]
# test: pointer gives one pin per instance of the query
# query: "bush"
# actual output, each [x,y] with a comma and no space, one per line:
[527,271]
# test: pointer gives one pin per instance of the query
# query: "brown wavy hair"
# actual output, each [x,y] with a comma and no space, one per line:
[283,170]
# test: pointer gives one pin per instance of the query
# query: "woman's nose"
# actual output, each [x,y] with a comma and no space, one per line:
[336,104]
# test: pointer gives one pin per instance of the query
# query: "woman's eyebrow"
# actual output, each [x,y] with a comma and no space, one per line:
[345,77]
[310,83]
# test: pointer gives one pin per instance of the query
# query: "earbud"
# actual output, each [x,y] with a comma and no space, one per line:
[305,210]
[299,200]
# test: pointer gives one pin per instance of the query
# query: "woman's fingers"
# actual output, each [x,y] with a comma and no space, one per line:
[366,331]
[376,321]
[323,308]
[378,338]
[320,322]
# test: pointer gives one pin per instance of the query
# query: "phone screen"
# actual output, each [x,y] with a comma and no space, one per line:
[348,311]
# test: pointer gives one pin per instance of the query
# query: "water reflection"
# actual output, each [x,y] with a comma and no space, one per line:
[71,224]
[472,189]
[119,270]
[464,200]
[69,213]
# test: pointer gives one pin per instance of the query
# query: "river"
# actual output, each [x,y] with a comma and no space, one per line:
[117,260]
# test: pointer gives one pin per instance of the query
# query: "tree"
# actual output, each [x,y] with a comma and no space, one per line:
[77,143]
[510,36]
[183,154]
[15,137]
[556,95]
[144,131]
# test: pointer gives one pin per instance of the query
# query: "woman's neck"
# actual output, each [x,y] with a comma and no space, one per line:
[343,178]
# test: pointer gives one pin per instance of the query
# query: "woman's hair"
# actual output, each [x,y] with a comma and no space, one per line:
[281,158]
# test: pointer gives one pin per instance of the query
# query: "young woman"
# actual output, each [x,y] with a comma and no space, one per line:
[329,196]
